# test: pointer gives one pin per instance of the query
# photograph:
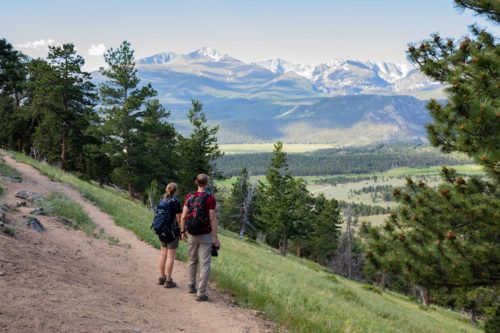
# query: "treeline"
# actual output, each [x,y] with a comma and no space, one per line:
[356,160]
[115,133]
[361,209]
[383,192]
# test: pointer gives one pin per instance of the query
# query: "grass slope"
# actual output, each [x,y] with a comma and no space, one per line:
[57,204]
[7,171]
[296,293]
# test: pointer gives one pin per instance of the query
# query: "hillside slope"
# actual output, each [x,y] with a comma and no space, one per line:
[293,292]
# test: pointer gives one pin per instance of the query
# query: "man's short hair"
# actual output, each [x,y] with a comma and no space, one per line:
[201,179]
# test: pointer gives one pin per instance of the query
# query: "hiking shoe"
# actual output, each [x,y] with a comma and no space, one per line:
[192,289]
[202,298]
[162,280]
[170,284]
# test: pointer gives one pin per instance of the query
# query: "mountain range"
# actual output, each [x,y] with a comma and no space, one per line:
[340,101]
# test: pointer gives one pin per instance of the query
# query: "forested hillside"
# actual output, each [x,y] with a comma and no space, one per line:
[375,158]
[117,132]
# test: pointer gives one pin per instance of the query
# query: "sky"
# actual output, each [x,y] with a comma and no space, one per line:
[302,31]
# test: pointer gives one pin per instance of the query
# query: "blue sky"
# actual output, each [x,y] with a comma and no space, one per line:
[308,31]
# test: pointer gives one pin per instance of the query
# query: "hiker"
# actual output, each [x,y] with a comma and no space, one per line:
[167,218]
[199,228]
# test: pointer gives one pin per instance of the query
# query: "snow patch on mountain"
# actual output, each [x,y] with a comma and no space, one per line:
[158,59]
[280,66]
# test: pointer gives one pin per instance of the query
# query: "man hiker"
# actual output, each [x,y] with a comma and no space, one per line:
[199,227]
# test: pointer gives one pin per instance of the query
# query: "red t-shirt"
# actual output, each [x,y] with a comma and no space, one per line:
[210,203]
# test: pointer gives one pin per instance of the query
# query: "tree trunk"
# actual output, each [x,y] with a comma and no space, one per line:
[426,296]
[242,229]
[130,190]
[299,250]
[284,245]
[382,281]
[347,214]
[63,151]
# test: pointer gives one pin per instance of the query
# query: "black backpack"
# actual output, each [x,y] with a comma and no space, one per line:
[198,223]
[164,222]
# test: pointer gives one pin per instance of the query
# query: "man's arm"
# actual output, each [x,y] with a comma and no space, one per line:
[213,225]
[184,215]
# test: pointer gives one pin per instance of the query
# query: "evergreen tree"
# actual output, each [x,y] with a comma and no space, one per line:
[197,153]
[470,70]
[124,104]
[13,74]
[283,203]
[159,140]
[447,238]
[76,93]
[41,110]
[325,229]
[59,107]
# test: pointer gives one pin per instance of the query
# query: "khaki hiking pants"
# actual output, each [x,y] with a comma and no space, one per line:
[200,250]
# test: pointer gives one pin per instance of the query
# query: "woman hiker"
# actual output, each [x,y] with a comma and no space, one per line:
[171,204]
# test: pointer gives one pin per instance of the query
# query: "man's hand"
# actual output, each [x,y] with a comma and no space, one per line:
[184,215]
[216,243]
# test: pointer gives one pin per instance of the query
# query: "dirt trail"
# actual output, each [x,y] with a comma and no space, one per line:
[65,281]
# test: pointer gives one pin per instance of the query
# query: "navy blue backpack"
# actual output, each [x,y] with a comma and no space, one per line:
[164,223]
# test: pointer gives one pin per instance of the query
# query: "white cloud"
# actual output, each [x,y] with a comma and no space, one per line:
[97,50]
[37,44]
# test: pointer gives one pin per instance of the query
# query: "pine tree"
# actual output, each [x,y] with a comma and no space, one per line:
[124,104]
[283,203]
[59,106]
[447,238]
[76,93]
[325,225]
[159,145]
[470,68]
[197,153]
[13,74]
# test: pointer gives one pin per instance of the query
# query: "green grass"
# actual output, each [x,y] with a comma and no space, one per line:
[9,172]
[8,230]
[247,148]
[297,294]
[59,205]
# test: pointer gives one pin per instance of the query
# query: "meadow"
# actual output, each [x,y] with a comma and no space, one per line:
[345,191]
[297,294]
[245,148]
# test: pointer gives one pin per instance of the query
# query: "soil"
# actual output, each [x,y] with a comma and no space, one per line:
[61,280]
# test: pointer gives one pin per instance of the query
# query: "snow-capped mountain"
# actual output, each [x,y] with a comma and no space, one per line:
[348,77]
[336,77]
[275,99]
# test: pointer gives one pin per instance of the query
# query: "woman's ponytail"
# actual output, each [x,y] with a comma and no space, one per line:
[170,190]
